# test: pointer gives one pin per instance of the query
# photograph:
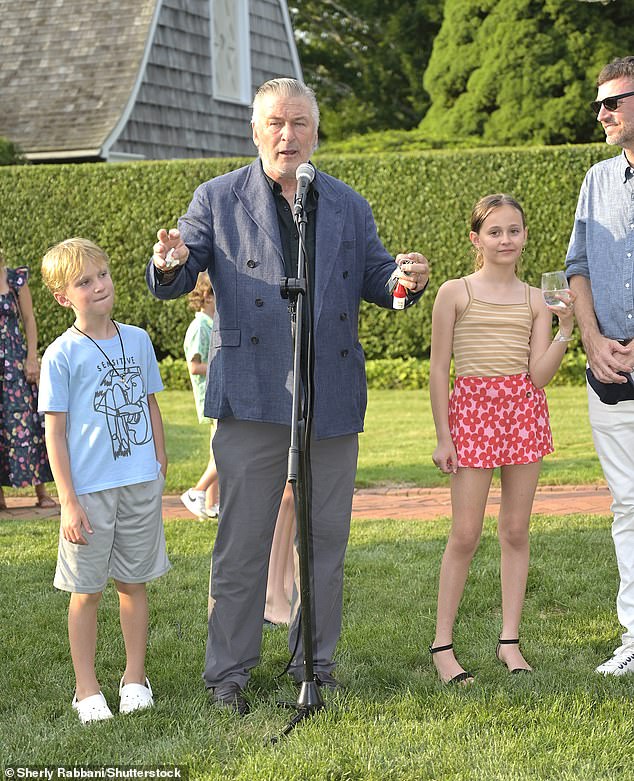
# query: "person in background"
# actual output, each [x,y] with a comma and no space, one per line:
[281,576]
[106,446]
[240,229]
[498,330]
[23,459]
[202,499]
[600,269]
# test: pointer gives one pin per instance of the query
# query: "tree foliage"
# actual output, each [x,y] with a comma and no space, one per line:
[366,59]
[522,71]
[10,153]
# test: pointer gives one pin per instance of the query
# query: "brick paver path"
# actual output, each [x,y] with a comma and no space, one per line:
[394,502]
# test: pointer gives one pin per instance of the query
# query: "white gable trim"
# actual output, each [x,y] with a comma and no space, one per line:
[123,119]
[58,154]
[291,40]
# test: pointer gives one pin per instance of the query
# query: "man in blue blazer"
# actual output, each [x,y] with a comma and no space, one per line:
[239,227]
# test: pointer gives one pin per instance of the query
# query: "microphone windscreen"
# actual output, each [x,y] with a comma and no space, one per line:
[305,170]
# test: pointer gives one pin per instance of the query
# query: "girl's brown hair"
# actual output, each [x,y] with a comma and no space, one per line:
[202,291]
[481,211]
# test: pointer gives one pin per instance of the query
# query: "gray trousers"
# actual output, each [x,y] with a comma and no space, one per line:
[251,459]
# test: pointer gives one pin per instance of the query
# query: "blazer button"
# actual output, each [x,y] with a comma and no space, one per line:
[255,340]
[345,275]
[259,302]
[344,353]
[343,316]
[251,263]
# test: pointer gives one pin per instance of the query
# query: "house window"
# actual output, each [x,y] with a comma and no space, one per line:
[230,50]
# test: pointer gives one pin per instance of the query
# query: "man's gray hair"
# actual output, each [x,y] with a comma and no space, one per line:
[288,88]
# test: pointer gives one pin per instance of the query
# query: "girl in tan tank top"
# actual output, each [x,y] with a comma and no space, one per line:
[498,330]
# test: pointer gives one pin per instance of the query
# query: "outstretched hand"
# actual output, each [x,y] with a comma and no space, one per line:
[170,251]
[414,271]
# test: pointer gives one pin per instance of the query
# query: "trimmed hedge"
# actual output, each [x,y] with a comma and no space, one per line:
[421,201]
[389,373]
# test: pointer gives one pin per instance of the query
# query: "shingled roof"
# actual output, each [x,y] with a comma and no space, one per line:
[130,78]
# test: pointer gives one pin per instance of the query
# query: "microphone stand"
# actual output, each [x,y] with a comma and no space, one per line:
[309,699]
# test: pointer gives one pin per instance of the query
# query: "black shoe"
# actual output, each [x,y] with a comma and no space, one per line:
[514,641]
[324,680]
[328,681]
[230,695]
[463,677]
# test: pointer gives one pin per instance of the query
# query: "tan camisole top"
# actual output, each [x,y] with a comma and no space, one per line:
[492,340]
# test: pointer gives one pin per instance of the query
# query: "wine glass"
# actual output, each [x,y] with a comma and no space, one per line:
[553,284]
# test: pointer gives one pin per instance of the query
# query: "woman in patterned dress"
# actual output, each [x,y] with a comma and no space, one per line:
[498,330]
[23,459]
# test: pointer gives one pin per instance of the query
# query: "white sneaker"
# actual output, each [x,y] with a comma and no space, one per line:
[212,512]
[195,502]
[621,662]
[93,708]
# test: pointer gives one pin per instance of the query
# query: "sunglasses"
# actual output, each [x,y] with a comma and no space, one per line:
[611,103]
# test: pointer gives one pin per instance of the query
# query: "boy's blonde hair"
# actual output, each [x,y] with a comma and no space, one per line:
[202,291]
[67,260]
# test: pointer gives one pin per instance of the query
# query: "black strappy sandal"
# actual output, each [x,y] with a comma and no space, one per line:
[461,677]
[516,670]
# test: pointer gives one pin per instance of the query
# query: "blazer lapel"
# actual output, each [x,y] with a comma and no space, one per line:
[328,236]
[255,196]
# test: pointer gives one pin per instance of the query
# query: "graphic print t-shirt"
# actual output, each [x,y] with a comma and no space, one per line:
[108,426]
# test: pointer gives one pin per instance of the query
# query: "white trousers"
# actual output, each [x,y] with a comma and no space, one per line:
[613,435]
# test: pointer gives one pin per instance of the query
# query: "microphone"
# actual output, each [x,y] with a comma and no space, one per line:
[305,174]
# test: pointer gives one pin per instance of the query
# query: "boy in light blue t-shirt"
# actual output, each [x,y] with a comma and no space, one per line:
[202,499]
[105,442]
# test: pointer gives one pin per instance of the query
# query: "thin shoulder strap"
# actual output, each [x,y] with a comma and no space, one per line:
[528,299]
[469,301]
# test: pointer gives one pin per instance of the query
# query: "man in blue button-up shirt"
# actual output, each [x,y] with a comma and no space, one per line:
[600,267]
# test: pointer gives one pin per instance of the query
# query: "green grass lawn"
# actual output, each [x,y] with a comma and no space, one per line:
[397,444]
[394,722]
[398,441]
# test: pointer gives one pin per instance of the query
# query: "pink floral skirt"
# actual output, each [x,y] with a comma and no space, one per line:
[495,421]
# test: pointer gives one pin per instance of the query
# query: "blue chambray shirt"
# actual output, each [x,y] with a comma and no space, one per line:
[602,244]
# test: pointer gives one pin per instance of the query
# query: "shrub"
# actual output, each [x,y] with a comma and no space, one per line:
[175,374]
[421,201]
[11,153]
[387,373]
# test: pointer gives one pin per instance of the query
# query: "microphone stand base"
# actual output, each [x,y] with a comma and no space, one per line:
[309,701]
[309,696]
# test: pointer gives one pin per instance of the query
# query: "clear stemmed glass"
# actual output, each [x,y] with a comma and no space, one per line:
[553,284]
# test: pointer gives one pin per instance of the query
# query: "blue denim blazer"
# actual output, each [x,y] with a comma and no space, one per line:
[231,230]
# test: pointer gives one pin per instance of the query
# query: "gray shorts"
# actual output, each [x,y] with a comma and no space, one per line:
[127,544]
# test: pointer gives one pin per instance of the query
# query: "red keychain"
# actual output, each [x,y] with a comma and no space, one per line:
[399,296]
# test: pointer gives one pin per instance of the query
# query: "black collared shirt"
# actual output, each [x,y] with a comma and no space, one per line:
[289,232]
